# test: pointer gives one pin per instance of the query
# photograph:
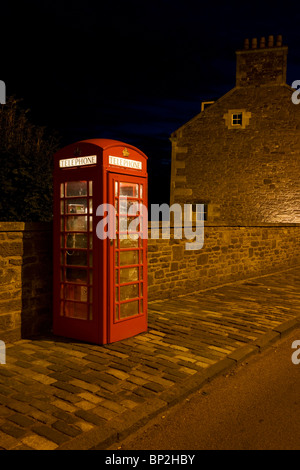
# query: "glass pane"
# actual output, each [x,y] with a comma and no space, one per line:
[62,190]
[62,241]
[117,294]
[76,258]
[76,240]
[129,275]
[62,224]
[116,188]
[91,205]
[130,223]
[76,206]
[116,258]
[76,310]
[129,189]
[90,188]
[76,275]
[129,242]
[91,223]
[129,292]
[117,312]
[76,188]
[76,222]
[61,207]
[73,292]
[129,309]
[91,260]
[129,257]
[91,295]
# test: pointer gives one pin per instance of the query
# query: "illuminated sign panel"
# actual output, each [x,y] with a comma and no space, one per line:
[78,161]
[124,162]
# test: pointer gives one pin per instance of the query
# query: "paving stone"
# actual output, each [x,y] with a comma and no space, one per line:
[50,434]
[7,442]
[154,387]
[12,430]
[104,413]
[64,406]
[38,443]
[64,416]
[90,417]
[66,428]
[111,405]
[21,420]
[117,373]
[90,397]
[67,387]
[83,385]
[66,396]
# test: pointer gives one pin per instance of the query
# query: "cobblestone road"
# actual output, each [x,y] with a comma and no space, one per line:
[63,394]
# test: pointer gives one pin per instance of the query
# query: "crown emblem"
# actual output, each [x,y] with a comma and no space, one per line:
[125,152]
[77,152]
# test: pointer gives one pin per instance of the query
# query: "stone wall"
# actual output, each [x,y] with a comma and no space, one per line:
[246,175]
[25,279]
[229,254]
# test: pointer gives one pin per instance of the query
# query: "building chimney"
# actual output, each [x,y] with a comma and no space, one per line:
[263,65]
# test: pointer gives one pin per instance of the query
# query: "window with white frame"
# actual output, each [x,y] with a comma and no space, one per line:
[237,118]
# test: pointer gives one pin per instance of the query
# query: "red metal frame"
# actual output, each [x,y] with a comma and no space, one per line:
[101,328]
[120,328]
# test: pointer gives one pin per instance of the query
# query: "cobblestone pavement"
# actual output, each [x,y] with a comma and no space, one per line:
[63,394]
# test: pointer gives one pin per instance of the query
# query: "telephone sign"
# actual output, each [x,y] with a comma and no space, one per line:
[100,283]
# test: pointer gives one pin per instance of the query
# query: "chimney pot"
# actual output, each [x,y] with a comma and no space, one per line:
[254,43]
[279,40]
[262,42]
[270,41]
[246,44]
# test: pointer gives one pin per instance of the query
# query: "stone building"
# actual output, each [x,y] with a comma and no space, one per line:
[240,156]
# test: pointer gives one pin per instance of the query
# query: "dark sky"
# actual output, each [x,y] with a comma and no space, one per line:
[132,70]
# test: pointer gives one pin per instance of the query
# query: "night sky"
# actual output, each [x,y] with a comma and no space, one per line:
[132,70]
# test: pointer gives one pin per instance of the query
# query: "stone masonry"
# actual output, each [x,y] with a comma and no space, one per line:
[25,279]
[247,170]
[228,254]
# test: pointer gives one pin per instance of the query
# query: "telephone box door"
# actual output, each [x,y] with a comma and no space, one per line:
[127,257]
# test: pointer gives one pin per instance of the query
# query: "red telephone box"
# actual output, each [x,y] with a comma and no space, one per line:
[100,281]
